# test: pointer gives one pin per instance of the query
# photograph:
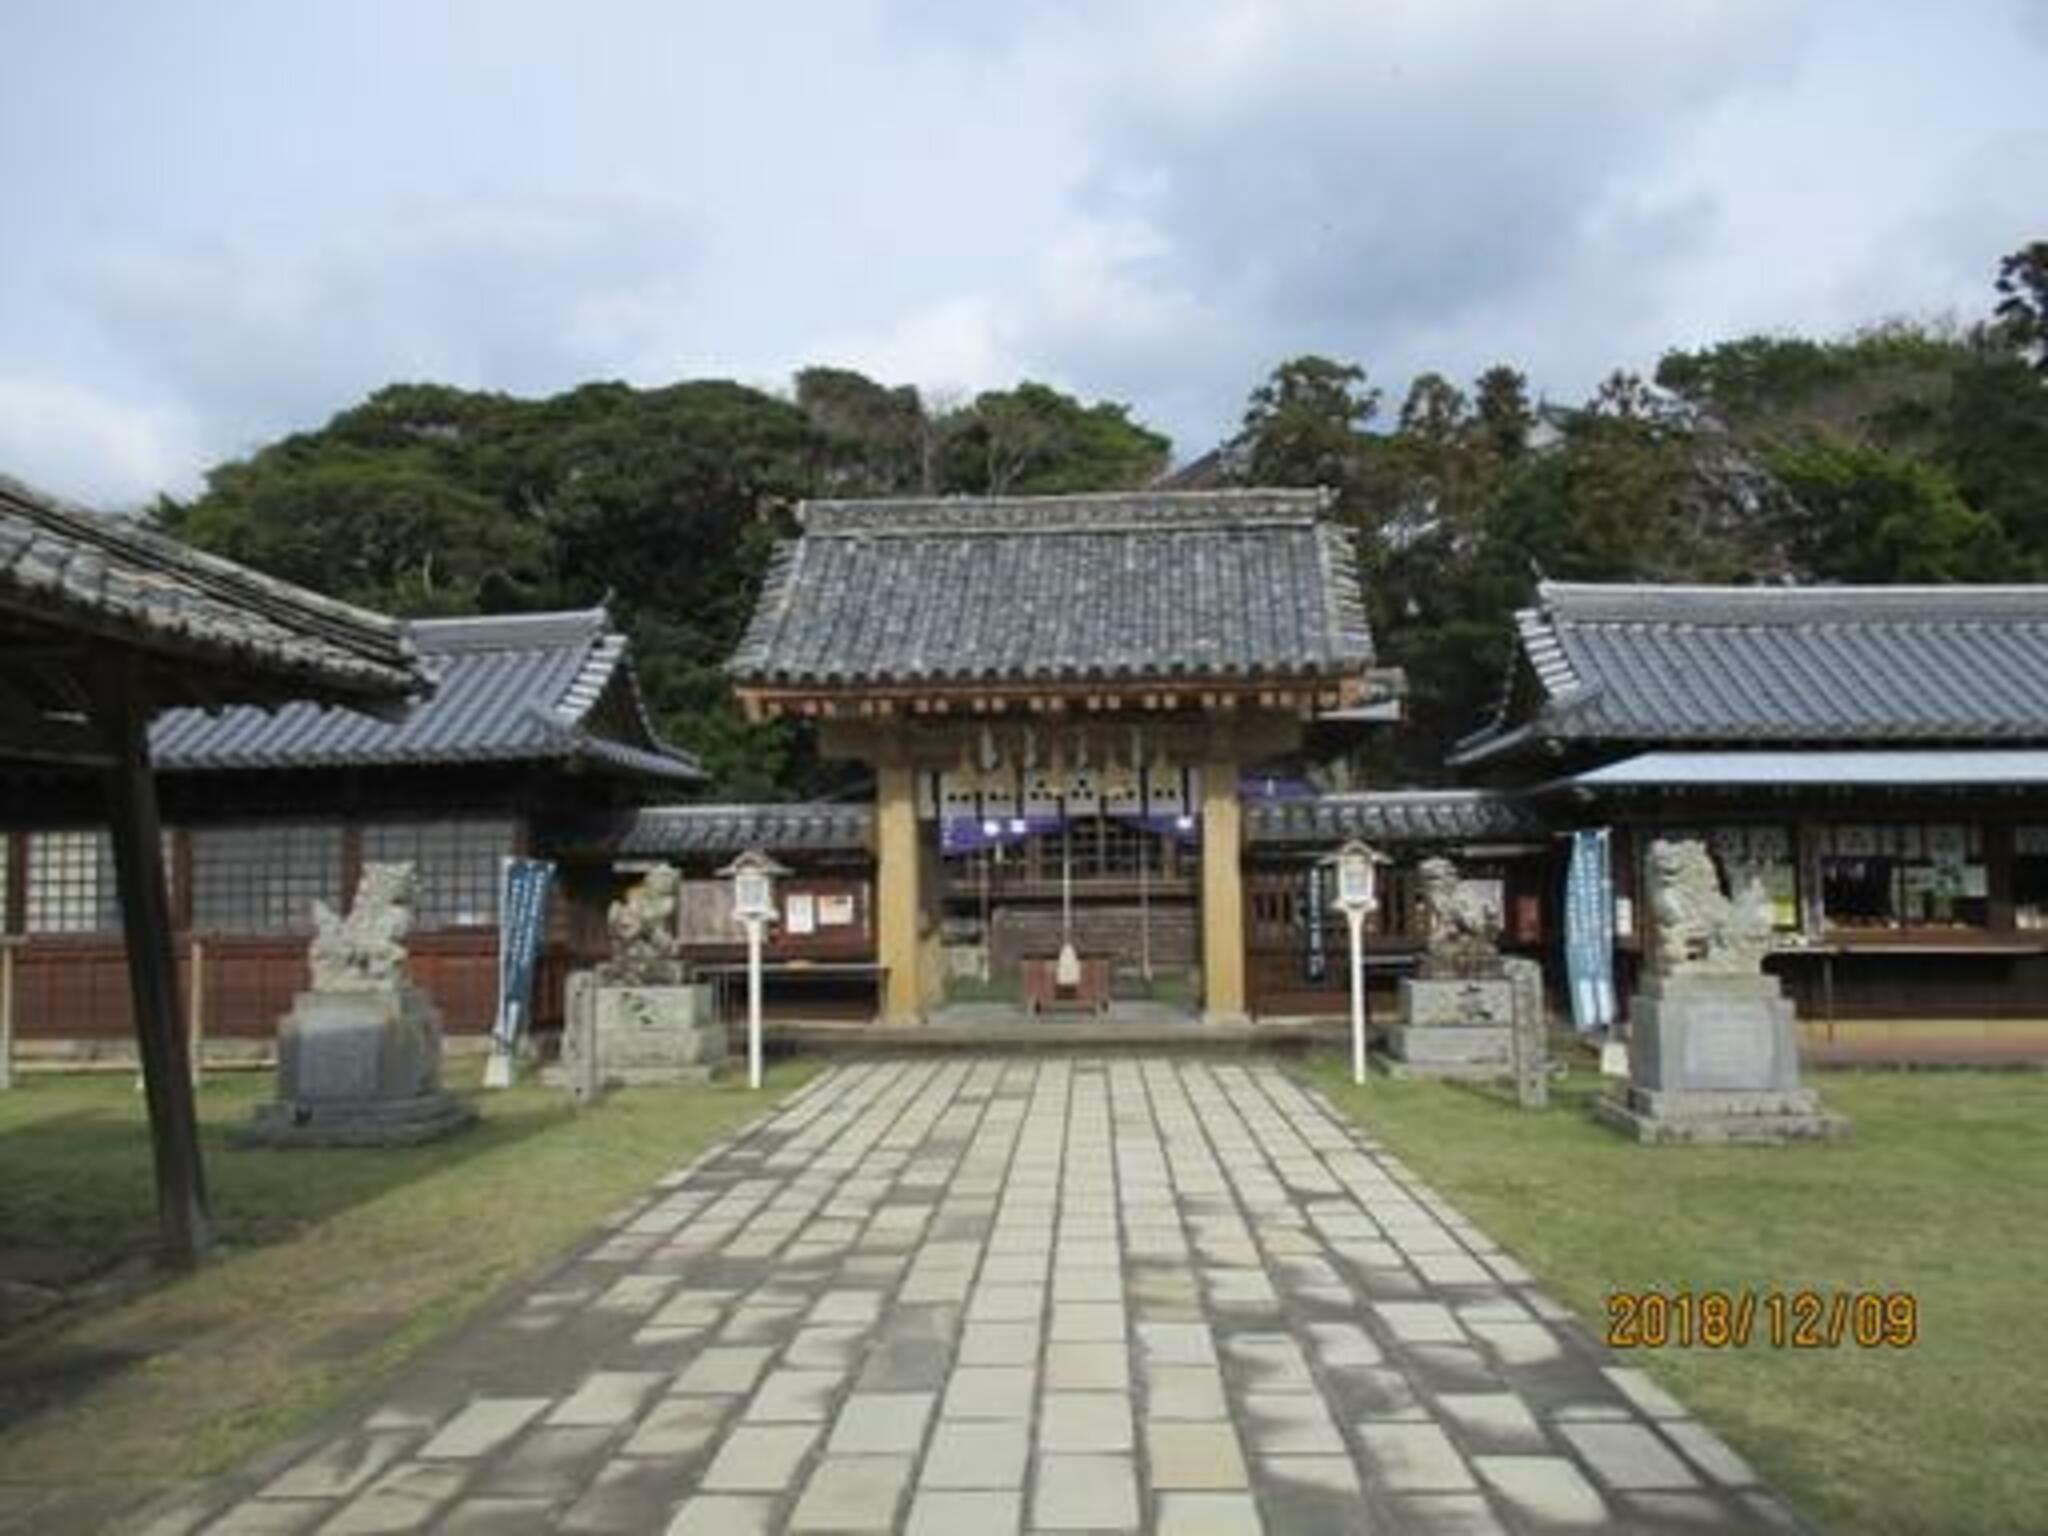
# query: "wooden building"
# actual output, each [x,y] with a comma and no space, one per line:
[1058,697]
[103,625]
[820,955]
[1299,943]
[1875,757]
[532,717]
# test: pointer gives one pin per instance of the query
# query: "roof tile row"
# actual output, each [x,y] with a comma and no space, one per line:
[1638,664]
[1246,584]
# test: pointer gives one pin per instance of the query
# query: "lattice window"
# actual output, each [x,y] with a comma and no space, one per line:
[71,887]
[1905,875]
[71,883]
[458,864]
[264,878]
[1102,848]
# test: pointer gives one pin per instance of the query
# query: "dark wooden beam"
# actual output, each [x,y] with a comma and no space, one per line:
[152,968]
[42,713]
[51,743]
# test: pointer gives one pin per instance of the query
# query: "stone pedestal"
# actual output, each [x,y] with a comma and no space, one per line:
[358,1069]
[1454,1026]
[629,1034]
[1530,1039]
[1716,1058]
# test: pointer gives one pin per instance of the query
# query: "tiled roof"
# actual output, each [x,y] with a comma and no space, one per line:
[1385,817]
[1389,817]
[678,831]
[1122,588]
[244,635]
[1638,664]
[1853,768]
[524,687]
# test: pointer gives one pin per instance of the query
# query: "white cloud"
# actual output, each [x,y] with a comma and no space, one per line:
[86,446]
[1154,202]
[956,347]
[281,327]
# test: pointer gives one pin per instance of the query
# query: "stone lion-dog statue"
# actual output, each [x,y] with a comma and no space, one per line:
[1459,928]
[1701,931]
[365,951]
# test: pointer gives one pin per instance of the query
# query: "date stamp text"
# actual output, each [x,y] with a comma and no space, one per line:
[1772,1319]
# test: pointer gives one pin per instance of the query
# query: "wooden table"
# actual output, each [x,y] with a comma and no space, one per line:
[1042,992]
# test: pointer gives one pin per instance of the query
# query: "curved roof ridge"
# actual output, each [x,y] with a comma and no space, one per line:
[509,631]
[118,578]
[1089,511]
[1634,602]
[1416,794]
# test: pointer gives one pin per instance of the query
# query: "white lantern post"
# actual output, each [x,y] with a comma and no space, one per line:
[1356,898]
[753,903]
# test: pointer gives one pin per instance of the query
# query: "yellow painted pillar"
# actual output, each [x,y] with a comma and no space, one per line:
[898,908]
[1223,993]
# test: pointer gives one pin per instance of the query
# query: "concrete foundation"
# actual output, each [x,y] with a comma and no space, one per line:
[358,1069]
[1454,1027]
[1716,1059]
[623,1035]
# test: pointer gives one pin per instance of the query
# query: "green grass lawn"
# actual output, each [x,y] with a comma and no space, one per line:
[333,1265]
[1943,1192]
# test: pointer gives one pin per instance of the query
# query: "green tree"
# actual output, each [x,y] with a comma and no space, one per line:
[1433,473]
[1993,440]
[666,502]
[1441,578]
[1878,517]
[385,530]
[2021,314]
[1306,425]
[1035,441]
[1501,403]
[1884,384]
[872,439]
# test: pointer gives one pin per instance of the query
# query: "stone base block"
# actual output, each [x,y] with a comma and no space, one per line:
[625,1036]
[358,1069]
[372,1123]
[1702,1033]
[1457,1050]
[1456,1000]
[1764,1118]
[359,1047]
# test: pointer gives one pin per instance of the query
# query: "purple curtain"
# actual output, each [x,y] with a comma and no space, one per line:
[972,834]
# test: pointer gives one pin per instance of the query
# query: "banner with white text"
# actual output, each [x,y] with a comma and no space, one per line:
[522,924]
[1589,932]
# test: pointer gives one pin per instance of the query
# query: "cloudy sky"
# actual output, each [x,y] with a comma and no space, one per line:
[229,220]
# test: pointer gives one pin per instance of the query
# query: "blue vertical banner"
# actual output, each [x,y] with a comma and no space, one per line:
[522,923]
[1315,959]
[1589,931]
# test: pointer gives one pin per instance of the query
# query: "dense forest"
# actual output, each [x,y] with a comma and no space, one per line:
[1901,453]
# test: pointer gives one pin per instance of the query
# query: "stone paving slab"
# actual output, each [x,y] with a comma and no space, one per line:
[991,1296]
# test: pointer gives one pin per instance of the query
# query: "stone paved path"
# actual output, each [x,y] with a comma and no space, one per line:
[967,1298]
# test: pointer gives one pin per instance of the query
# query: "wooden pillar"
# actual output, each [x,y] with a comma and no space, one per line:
[898,901]
[1998,856]
[1809,838]
[1223,992]
[6,1010]
[152,971]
